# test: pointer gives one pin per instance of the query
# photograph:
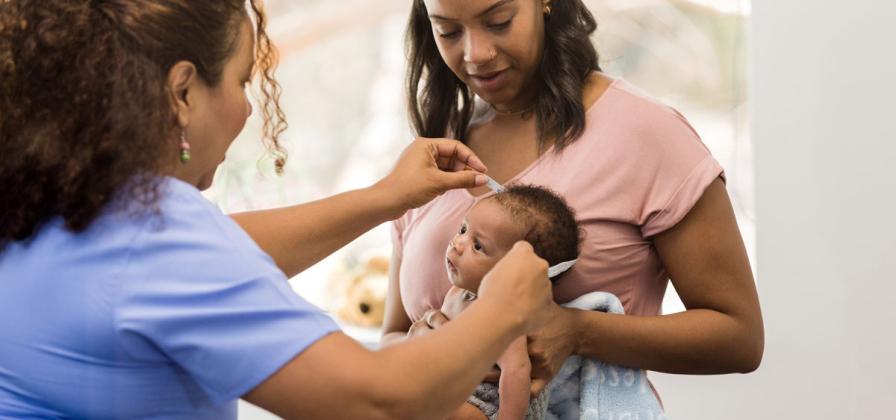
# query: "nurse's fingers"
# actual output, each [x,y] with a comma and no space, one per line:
[536,387]
[452,155]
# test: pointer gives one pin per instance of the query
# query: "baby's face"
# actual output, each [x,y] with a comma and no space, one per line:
[487,233]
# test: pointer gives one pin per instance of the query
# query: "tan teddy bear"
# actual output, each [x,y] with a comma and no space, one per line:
[363,302]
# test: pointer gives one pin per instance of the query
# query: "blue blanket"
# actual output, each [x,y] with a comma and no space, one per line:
[593,390]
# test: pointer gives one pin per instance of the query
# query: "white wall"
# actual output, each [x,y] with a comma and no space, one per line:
[824,130]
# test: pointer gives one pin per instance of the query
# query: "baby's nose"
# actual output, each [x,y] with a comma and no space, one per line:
[457,243]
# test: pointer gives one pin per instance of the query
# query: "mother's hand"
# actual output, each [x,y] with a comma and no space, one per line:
[429,167]
[551,345]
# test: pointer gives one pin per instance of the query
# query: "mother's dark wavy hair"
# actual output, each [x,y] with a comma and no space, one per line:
[443,104]
[85,110]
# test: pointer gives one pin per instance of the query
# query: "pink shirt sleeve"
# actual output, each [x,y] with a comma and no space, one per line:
[675,168]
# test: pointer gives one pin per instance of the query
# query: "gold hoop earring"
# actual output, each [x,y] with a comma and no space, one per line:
[547,8]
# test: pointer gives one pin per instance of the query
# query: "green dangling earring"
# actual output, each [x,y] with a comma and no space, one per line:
[184,149]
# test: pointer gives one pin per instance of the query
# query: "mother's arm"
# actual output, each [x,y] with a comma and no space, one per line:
[720,332]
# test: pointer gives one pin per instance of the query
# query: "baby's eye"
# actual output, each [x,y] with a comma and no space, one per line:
[463,229]
[477,246]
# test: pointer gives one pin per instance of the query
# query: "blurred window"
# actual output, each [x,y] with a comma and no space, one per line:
[342,72]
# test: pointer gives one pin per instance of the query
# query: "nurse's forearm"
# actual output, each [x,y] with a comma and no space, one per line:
[422,378]
[393,338]
[297,237]
[461,352]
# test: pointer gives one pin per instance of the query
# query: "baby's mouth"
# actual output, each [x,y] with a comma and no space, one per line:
[451,268]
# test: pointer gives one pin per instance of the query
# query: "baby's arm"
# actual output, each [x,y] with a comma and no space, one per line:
[513,387]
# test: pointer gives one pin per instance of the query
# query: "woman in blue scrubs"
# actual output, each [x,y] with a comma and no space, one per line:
[125,294]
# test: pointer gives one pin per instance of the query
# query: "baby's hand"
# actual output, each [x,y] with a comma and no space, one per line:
[456,300]
[431,320]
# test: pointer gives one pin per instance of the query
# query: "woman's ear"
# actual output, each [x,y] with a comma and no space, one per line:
[182,79]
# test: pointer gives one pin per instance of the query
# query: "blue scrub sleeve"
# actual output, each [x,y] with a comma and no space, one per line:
[216,305]
[228,336]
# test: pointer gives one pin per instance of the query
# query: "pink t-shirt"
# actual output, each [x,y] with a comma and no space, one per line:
[637,170]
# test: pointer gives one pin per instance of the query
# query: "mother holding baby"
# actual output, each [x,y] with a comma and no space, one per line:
[518,81]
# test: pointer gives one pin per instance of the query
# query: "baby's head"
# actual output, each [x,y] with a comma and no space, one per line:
[523,212]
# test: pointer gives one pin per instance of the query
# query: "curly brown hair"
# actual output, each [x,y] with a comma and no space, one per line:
[85,111]
[444,104]
[550,222]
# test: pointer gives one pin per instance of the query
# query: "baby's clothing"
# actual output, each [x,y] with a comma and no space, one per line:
[487,400]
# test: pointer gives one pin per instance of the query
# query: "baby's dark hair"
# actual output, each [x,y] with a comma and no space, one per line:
[550,223]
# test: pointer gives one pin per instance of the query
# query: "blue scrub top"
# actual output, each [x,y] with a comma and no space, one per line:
[168,315]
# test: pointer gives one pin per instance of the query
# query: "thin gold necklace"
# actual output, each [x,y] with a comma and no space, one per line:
[523,111]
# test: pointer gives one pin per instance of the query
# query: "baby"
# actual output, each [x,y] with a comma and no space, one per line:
[490,229]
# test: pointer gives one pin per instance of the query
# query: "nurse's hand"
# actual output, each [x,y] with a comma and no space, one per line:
[551,345]
[429,167]
[519,284]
